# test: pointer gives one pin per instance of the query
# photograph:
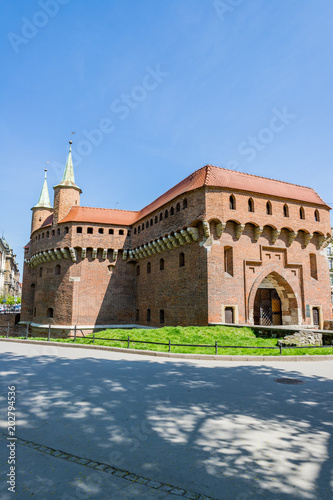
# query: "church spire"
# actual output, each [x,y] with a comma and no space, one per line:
[44,198]
[68,177]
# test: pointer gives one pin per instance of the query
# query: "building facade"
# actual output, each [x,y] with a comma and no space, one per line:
[9,272]
[219,247]
[329,253]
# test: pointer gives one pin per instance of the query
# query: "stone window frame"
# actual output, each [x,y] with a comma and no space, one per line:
[321,317]
[235,309]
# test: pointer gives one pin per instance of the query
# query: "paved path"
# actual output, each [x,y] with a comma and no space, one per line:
[105,425]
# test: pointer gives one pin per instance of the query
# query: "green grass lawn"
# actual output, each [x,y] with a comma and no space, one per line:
[226,336]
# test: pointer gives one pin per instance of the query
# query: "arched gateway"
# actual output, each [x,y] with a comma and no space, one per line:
[273,302]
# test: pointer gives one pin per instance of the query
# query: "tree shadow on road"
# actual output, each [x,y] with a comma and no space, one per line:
[225,431]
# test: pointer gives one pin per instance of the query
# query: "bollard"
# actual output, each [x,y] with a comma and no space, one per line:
[74,333]
[93,337]
[27,332]
[128,342]
[215,346]
[169,345]
[49,334]
[280,348]
[7,330]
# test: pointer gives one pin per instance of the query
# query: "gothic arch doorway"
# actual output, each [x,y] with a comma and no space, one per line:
[274,302]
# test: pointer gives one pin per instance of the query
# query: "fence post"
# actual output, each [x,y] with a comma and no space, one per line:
[7,330]
[128,342]
[27,331]
[280,348]
[74,333]
[169,345]
[215,346]
[49,334]
[93,337]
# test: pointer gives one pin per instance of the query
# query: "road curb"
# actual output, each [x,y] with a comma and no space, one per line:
[207,357]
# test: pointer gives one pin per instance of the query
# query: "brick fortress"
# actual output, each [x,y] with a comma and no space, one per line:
[220,246]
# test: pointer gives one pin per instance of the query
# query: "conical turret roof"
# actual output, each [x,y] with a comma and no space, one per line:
[68,179]
[44,198]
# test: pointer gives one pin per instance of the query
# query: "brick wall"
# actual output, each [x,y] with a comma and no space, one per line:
[105,289]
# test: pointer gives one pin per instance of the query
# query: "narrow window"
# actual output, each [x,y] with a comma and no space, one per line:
[162,265]
[151,222]
[137,315]
[268,208]
[53,232]
[166,214]
[161,216]
[148,268]
[148,315]
[47,234]
[57,270]
[228,261]
[156,219]
[250,205]
[34,311]
[138,270]
[90,230]
[301,213]
[147,224]
[143,226]
[43,235]
[58,231]
[111,231]
[178,207]
[66,229]
[181,259]
[40,272]
[172,211]
[121,231]
[317,217]
[49,312]
[232,202]
[313,266]
[100,230]
[184,203]
[139,229]
[285,210]
[162,316]
[79,230]
[39,236]
[134,230]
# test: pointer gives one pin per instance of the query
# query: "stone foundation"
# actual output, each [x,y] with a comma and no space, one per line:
[302,339]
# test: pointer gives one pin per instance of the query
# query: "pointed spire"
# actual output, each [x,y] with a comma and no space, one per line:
[68,179]
[44,199]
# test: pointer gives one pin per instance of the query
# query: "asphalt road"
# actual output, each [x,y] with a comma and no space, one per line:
[106,425]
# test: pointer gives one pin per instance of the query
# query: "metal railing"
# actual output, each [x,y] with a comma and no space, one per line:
[169,344]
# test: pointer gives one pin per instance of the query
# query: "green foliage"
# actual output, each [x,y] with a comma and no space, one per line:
[10,300]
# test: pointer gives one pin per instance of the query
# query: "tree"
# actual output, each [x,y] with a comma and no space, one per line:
[10,300]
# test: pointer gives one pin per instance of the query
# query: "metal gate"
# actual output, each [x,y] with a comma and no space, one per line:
[315,316]
[269,307]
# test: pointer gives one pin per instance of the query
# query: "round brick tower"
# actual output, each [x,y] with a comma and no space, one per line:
[43,209]
[67,193]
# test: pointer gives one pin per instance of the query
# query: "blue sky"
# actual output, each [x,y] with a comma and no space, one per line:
[154,91]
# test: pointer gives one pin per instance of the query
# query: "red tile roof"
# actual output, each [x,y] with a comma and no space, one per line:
[205,176]
[100,216]
[48,221]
